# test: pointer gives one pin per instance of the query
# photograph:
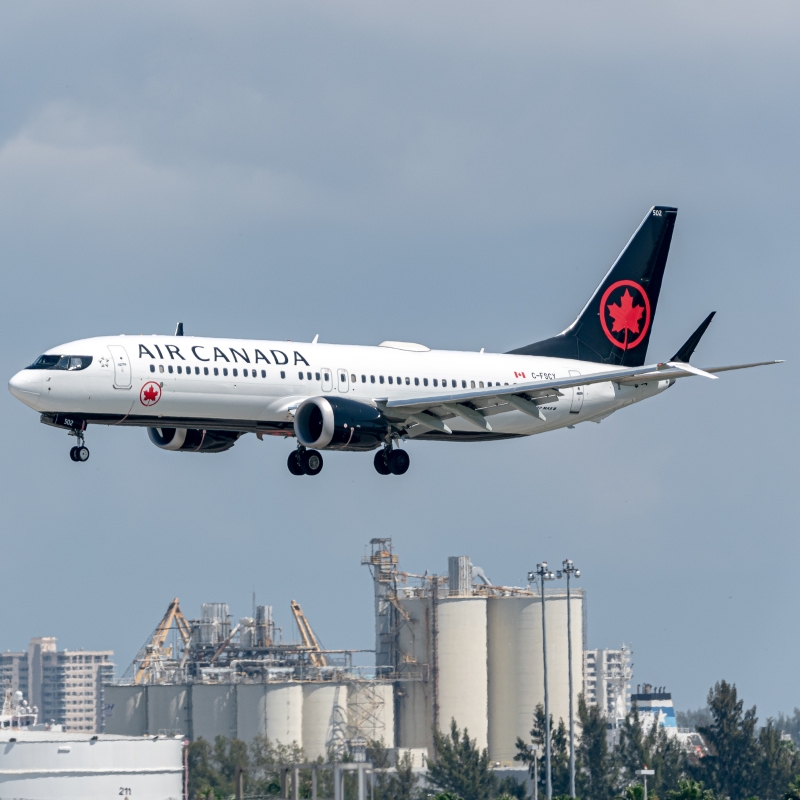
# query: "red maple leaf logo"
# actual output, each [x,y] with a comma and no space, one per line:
[151,394]
[625,314]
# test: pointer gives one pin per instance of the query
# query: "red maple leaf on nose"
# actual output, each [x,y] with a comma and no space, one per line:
[150,393]
[625,314]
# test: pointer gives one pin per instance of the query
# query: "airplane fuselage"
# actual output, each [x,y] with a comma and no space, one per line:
[255,386]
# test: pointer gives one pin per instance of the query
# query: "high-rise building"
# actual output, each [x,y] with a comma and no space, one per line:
[65,686]
[607,676]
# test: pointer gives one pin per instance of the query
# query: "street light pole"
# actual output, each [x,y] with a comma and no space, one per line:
[568,569]
[643,773]
[544,574]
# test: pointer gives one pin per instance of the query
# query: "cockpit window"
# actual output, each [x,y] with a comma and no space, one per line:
[69,363]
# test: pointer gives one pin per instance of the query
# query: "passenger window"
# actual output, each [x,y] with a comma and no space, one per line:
[472,384]
[424,381]
[352,378]
[308,375]
[300,375]
[416,381]
[381,378]
[390,379]
[152,368]
[399,381]
[216,371]
[283,374]
[160,367]
[205,370]
[480,384]
[363,379]
[435,382]
[263,373]
[235,373]
[316,375]
[179,369]
[225,371]
[464,384]
[408,381]
[244,373]
[372,379]
[454,384]
[169,368]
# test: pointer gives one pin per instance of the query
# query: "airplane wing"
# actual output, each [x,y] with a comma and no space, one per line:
[474,406]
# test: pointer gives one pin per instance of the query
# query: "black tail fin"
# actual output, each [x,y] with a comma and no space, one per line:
[614,326]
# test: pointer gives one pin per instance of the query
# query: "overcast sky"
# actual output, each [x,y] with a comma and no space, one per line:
[458,174]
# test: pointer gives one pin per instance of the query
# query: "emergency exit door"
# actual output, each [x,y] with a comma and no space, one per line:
[577,395]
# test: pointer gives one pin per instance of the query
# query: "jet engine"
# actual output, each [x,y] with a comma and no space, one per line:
[337,423]
[190,440]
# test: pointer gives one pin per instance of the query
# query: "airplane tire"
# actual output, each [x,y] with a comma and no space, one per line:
[311,462]
[81,454]
[293,462]
[399,462]
[381,465]
[72,453]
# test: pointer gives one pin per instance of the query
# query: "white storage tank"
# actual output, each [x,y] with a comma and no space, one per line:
[516,672]
[324,718]
[462,679]
[126,710]
[72,766]
[168,709]
[271,710]
[213,710]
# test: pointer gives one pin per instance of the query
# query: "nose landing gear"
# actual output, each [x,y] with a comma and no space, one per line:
[80,452]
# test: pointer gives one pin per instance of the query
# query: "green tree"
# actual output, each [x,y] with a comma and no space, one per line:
[595,779]
[731,766]
[653,747]
[460,767]
[266,759]
[793,792]
[778,762]
[690,790]
[559,753]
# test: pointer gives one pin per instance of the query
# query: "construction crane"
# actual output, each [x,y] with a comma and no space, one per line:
[154,653]
[307,635]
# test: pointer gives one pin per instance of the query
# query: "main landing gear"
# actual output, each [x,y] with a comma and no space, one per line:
[391,462]
[304,462]
[80,452]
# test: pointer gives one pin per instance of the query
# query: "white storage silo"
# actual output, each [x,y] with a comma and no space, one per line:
[168,709]
[324,718]
[126,713]
[271,710]
[516,672]
[213,710]
[461,664]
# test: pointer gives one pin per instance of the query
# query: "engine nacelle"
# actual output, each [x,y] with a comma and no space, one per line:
[337,423]
[190,440]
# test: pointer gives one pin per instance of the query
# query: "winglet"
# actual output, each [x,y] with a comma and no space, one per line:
[685,353]
[179,329]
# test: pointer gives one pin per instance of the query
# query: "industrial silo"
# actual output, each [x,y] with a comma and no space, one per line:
[168,709]
[213,710]
[271,710]
[324,719]
[516,673]
[461,665]
[126,713]
[370,711]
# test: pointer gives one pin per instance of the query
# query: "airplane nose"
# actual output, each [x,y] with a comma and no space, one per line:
[26,387]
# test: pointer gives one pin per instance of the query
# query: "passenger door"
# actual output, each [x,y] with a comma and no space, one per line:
[577,395]
[122,366]
[327,380]
[343,381]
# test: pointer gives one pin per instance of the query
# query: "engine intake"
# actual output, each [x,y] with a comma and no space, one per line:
[337,423]
[190,440]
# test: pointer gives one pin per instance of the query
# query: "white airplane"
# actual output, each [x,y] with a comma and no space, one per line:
[200,395]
